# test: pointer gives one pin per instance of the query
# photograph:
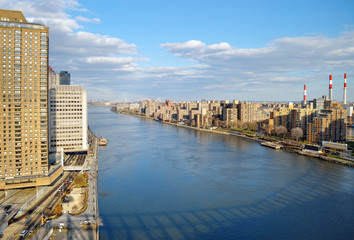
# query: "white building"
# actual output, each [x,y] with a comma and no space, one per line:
[68,118]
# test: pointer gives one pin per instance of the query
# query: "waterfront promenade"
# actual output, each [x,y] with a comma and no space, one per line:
[85,225]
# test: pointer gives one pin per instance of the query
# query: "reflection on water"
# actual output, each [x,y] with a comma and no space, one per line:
[162,182]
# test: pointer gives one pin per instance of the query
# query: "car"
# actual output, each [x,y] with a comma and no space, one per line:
[24,233]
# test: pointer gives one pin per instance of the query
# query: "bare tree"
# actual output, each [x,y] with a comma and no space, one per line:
[216,122]
[281,131]
[296,133]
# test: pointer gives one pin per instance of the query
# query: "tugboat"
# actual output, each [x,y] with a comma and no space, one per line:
[103,142]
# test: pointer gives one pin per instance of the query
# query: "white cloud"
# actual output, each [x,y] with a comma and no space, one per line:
[106,60]
[187,46]
[85,19]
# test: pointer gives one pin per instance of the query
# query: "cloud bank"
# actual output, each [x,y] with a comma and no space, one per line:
[110,68]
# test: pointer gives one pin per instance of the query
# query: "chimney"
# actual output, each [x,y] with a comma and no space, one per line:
[345,89]
[305,94]
[330,88]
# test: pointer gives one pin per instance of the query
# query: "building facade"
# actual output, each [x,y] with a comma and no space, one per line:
[68,119]
[23,101]
[330,125]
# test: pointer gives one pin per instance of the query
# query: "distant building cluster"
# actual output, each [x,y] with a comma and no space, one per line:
[320,120]
[316,121]
[205,114]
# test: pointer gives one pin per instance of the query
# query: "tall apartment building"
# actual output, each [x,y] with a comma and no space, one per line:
[301,117]
[64,78]
[68,118]
[330,125]
[23,101]
[247,112]
[229,115]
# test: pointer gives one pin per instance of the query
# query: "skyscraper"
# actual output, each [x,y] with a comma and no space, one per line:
[68,118]
[64,77]
[23,101]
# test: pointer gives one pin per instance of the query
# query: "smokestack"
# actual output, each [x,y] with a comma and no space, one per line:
[330,88]
[345,89]
[305,94]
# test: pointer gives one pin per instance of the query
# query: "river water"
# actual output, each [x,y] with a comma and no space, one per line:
[158,181]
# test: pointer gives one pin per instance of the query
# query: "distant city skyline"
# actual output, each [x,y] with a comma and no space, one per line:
[192,50]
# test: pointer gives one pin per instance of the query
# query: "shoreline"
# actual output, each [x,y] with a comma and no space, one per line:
[346,163]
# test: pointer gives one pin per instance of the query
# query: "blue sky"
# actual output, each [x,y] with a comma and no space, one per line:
[191,50]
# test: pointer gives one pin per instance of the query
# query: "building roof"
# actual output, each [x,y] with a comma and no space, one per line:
[12,16]
[68,88]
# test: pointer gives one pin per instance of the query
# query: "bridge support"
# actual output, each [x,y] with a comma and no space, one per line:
[62,157]
[41,190]
[10,191]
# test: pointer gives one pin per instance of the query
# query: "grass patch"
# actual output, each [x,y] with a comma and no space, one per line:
[85,205]
[221,130]
[81,181]
[340,158]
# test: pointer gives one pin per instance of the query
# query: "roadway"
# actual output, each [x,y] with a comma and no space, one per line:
[34,213]
[31,220]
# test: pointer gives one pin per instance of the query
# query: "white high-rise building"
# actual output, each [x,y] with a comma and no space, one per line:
[68,119]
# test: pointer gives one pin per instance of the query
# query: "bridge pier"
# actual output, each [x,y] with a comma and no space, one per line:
[40,190]
[10,191]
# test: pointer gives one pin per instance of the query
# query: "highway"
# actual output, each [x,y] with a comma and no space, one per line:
[36,214]
[42,207]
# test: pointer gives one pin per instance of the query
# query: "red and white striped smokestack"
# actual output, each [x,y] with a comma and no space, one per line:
[305,94]
[345,89]
[330,87]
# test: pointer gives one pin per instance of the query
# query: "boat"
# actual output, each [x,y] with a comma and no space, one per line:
[103,142]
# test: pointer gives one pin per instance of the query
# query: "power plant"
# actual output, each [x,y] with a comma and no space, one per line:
[330,97]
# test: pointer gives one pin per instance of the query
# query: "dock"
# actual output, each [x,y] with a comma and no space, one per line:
[272,145]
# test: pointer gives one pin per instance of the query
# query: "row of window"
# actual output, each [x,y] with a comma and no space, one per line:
[20,174]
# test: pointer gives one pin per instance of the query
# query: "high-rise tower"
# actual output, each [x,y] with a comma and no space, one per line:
[64,78]
[23,101]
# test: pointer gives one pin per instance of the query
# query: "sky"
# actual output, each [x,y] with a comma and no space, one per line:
[253,50]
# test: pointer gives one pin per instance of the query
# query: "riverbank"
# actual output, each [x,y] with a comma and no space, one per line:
[347,163]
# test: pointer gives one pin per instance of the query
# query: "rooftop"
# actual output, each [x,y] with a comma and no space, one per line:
[12,16]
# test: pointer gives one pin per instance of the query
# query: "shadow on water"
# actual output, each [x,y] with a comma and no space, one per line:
[243,221]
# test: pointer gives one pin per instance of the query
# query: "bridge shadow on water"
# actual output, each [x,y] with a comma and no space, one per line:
[265,218]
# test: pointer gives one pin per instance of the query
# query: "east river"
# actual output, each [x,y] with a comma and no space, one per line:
[158,181]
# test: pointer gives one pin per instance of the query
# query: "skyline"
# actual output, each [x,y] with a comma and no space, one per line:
[199,50]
